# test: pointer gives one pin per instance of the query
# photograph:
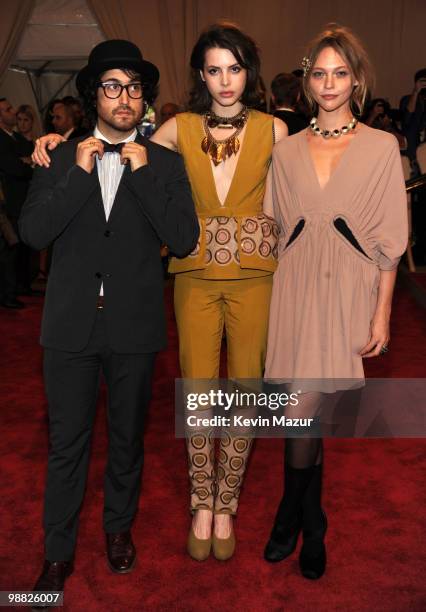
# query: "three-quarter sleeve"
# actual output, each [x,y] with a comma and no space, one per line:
[392,221]
[268,199]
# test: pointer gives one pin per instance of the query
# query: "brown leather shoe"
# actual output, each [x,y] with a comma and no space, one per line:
[52,578]
[121,552]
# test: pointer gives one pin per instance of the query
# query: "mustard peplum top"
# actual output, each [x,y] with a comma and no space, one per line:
[237,240]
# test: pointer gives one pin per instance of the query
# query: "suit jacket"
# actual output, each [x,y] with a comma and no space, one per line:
[15,175]
[153,205]
[77,132]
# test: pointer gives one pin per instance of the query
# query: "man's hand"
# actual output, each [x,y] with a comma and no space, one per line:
[135,154]
[50,141]
[86,152]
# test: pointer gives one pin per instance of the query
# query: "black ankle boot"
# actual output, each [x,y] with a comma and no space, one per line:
[288,521]
[283,540]
[313,558]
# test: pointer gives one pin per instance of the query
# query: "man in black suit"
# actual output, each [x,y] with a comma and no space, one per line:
[285,93]
[107,202]
[15,176]
[63,121]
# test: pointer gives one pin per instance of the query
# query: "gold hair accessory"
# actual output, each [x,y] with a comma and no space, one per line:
[306,63]
[219,150]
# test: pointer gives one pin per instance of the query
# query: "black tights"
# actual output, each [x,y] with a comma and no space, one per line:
[304,452]
[303,471]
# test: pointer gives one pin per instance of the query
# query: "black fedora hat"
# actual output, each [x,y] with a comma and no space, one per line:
[116,54]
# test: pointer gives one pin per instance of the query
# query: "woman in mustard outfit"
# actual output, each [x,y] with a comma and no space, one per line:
[226,282]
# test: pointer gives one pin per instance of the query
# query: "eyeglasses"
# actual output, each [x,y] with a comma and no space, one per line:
[113,89]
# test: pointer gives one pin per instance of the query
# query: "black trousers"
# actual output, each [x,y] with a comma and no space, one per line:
[72,382]
[24,256]
[8,283]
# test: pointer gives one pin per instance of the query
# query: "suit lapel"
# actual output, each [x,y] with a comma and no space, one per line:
[97,194]
[117,206]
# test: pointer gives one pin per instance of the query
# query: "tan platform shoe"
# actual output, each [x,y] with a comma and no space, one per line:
[223,548]
[198,549]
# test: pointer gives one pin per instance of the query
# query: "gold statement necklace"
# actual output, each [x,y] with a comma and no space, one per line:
[219,150]
[315,128]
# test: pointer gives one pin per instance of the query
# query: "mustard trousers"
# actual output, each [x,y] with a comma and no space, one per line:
[203,308]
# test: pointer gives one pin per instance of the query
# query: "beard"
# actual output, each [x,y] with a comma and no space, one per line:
[122,123]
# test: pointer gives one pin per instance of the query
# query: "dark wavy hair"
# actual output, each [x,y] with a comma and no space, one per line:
[224,35]
[286,89]
[89,94]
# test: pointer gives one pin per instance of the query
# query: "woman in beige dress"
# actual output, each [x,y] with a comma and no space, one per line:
[338,195]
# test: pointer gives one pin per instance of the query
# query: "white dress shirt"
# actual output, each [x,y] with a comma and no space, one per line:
[110,171]
[68,133]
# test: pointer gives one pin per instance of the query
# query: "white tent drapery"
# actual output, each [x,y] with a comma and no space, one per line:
[166,30]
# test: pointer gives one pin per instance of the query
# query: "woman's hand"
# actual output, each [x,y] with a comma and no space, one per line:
[50,142]
[379,336]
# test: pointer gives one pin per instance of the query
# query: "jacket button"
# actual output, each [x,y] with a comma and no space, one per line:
[107,233]
[98,275]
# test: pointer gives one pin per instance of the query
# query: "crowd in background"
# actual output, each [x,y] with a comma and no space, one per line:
[19,128]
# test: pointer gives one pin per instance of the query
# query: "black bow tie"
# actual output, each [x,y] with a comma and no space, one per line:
[112,148]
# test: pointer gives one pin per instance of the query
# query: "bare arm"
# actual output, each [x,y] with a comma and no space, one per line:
[280,128]
[379,331]
[166,135]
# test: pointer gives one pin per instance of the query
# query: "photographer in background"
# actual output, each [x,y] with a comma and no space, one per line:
[413,111]
[381,116]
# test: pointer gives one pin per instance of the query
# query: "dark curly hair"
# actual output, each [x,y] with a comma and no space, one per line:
[225,35]
[89,94]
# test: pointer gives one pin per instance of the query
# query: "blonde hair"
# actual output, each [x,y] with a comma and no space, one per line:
[28,111]
[349,47]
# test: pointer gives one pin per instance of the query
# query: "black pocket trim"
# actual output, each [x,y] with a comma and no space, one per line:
[341,226]
[297,230]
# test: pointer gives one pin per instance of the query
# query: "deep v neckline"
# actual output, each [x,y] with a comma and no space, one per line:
[237,166]
[339,162]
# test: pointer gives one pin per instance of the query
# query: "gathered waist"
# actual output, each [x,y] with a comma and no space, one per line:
[318,226]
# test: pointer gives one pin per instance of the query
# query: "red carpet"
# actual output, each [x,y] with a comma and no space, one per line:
[419,278]
[374,496]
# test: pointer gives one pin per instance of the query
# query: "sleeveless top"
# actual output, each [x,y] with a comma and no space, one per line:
[237,240]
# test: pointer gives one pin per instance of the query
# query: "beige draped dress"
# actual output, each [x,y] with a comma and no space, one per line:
[326,285]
